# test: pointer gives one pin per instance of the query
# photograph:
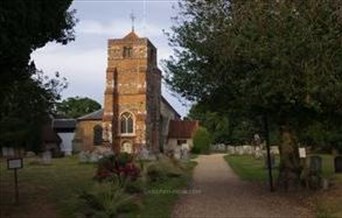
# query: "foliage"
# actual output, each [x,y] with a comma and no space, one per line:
[164,168]
[26,95]
[201,141]
[26,108]
[104,200]
[26,26]
[76,107]
[279,60]
[120,166]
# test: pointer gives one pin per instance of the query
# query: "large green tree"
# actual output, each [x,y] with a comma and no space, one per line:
[26,95]
[76,107]
[278,59]
[26,25]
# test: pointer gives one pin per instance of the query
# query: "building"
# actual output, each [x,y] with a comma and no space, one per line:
[65,129]
[135,114]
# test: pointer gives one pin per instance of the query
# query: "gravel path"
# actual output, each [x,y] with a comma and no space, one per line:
[218,192]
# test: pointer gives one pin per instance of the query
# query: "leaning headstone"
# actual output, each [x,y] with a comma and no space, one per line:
[338,164]
[316,164]
[47,156]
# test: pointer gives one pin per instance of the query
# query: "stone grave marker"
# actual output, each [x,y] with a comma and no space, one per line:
[316,164]
[338,164]
[83,157]
[230,149]
[185,150]
[47,156]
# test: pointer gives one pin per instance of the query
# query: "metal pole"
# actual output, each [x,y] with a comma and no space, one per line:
[16,186]
[269,164]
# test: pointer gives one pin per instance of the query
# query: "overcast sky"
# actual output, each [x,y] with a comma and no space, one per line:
[84,61]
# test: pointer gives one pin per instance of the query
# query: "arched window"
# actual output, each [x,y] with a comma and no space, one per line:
[97,135]
[126,123]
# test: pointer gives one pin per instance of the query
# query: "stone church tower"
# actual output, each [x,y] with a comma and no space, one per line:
[131,116]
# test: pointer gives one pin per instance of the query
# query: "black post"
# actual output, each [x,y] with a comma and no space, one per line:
[269,164]
[16,186]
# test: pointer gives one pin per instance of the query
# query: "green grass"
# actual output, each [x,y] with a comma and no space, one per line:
[54,188]
[250,169]
[53,185]
[160,197]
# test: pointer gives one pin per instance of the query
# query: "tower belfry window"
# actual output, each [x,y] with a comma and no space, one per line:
[127,52]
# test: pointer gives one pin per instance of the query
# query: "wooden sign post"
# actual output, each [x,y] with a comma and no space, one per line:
[15,164]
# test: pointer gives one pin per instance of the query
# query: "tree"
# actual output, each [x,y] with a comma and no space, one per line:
[26,26]
[280,60]
[26,108]
[201,141]
[76,107]
[26,95]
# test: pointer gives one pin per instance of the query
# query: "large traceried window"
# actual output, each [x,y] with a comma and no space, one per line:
[126,123]
[97,135]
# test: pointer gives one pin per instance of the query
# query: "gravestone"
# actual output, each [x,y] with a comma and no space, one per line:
[47,156]
[338,164]
[185,150]
[247,149]
[316,164]
[83,157]
[230,149]
[177,153]
[257,152]
[143,154]
[94,157]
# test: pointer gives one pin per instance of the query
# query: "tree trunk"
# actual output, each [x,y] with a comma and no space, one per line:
[289,167]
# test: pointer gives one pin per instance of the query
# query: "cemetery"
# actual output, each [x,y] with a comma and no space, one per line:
[175,109]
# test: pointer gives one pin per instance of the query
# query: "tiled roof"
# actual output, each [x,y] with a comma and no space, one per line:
[64,123]
[170,106]
[131,36]
[182,128]
[96,115]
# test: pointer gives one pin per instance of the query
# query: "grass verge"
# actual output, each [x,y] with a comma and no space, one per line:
[250,169]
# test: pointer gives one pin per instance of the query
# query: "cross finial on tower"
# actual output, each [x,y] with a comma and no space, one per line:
[132,19]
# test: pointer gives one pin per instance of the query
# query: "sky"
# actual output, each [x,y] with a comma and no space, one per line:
[83,62]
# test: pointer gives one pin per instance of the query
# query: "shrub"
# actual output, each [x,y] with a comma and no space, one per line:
[155,173]
[104,200]
[120,166]
[201,141]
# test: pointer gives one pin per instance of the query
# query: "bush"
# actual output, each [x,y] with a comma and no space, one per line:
[155,173]
[201,141]
[119,166]
[104,200]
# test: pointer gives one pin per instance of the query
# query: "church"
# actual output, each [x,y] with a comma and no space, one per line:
[135,114]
